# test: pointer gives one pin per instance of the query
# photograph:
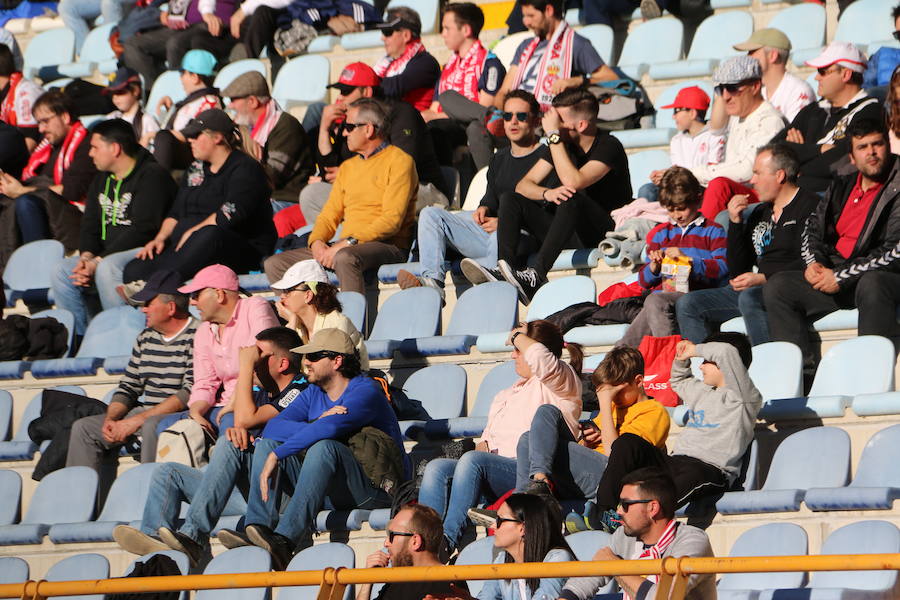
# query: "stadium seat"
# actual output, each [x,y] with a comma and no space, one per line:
[13,570]
[712,43]
[641,164]
[248,559]
[655,41]
[10,496]
[379,518]
[124,504]
[353,305]
[477,189]
[601,38]
[777,370]
[814,457]
[866,21]
[181,561]
[585,545]
[232,71]
[6,410]
[46,50]
[316,558]
[110,334]
[341,520]
[599,335]
[498,378]
[96,55]
[15,369]
[21,447]
[479,552]
[428,13]
[862,537]
[411,313]
[772,539]
[167,84]
[29,270]
[310,69]
[591,362]
[861,365]
[323,43]
[64,496]
[482,309]
[804,25]
[662,133]
[79,568]
[877,481]
[505,49]
[361,40]
[442,391]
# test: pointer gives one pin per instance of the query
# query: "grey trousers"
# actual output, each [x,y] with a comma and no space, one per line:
[471,116]
[657,318]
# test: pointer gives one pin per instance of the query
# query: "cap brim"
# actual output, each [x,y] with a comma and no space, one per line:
[190,288]
[747,46]
[145,295]
[343,88]
[192,130]
[306,349]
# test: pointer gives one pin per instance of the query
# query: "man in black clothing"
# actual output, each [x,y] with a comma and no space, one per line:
[13,151]
[571,190]
[767,238]
[407,71]
[221,214]
[851,247]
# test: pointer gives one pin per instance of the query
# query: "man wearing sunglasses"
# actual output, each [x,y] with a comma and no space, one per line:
[407,71]
[649,531]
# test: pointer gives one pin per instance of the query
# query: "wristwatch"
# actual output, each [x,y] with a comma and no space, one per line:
[352,241]
[553,137]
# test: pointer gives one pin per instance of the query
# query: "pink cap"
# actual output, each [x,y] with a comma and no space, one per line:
[219,277]
[844,54]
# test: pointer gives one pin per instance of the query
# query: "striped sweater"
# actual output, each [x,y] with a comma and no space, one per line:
[703,241]
[158,369]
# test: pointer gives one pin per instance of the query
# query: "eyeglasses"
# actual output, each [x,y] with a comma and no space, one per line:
[626,504]
[823,71]
[317,356]
[520,116]
[348,126]
[501,520]
[393,534]
[731,88]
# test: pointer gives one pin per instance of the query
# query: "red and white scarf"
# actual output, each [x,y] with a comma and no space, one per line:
[461,74]
[555,64]
[41,154]
[266,123]
[388,67]
[8,108]
[655,551]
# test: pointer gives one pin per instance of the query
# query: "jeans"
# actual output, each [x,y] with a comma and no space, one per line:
[701,312]
[227,420]
[32,219]
[439,228]
[77,14]
[657,318]
[549,448]
[86,302]
[476,478]
[649,191]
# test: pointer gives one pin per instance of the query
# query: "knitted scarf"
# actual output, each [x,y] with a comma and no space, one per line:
[555,64]
[388,67]
[462,73]
[41,154]
[656,550]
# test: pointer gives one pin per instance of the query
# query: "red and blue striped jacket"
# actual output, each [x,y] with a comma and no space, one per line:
[703,241]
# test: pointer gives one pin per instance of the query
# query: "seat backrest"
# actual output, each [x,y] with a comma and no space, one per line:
[427,9]
[440,388]
[654,41]
[64,496]
[814,457]
[232,71]
[716,34]
[33,411]
[96,46]
[52,47]
[772,539]
[868,21]
[499,378]
[476,190]
[128,494]
[803,24]
[353,305]
[180,558]
[641,164]
[487,308]
[32,265]
[314,558]
[861,365]
[168,84]
[559,293]
[777,370]
[80,567]
[13,570]
[10,496]
[479,552]
[112,332]
[65,318]
[586,543]
[664,116]
[505,50]
[601,38]
[6,406]
[411,313]
[862,537]
[248,559]
[878,466]
[310,69]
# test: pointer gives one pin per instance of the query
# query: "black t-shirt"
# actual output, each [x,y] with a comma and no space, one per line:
[504,172]
[418,589]
[13,152]
[613,190]
[283,399]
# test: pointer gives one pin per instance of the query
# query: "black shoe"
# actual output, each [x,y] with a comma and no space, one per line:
[178,541]
[540,487]
[280,547]
[525,281]
[476,273]
[233,539]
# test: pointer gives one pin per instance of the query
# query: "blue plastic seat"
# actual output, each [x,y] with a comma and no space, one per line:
[29,271]
[379,518]
[13,570]
[64,496]
[167,84]
[6,407]
[353,305]
[479,552]
[80,567]
[341,520]
[804,25]
[777,370]
[248,559]
[712,43]
[411,313]
[488,308]
[181,561]
[601,38]
[585,545]
[428,13]
[442,391]
[641,164]
[10,496]
[96,55]
[124,504]
[652,42]
[110,333]
[21,447]
[498,378]
[46,51]
[814,457]
[323,43]
[302,81]
[665,123]
[314,558]
[869,21]
[772,539]
[232,71]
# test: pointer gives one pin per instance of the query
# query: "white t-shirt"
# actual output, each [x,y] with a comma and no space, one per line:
[27,92]
[705,148]
[790,96]
[148,123]
[194,108]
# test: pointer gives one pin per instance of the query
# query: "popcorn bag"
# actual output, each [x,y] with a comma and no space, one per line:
[675,274]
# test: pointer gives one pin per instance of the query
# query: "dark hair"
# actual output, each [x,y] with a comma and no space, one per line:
[542,519]
[679,188]
[325,299]
[533,106]
[895,12]
[426,522]
[56,102]
[548,334]
[654,484]
[740,342]
[620,365]
[412,18]
[863,127]
[579,100]
[784,158]
[893,99]
[542,4]
[856,78]
[118,131]
[467,13]
[7,61]
[350,366]
[182,303]
[283,339]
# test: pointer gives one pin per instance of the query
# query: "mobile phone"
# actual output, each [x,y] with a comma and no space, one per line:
[588,424]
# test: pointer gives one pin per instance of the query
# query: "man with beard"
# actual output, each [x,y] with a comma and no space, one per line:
[851,247]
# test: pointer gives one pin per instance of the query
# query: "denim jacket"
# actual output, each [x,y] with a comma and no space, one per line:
[549,589]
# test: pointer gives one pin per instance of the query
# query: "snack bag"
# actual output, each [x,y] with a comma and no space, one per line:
[675,274]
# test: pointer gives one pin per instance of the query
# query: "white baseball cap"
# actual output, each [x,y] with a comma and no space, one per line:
[302,272]
[844,54]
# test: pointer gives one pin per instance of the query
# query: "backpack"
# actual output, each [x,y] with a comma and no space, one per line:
[158,565]
[405,408]
[184,442]
[379,456]
[623,102]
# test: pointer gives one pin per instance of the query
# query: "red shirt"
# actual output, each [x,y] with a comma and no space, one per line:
[853,217]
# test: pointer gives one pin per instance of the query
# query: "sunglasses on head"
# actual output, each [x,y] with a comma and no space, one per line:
[317,356]
[626,504]
[348,126]
[392,534]
[520,116]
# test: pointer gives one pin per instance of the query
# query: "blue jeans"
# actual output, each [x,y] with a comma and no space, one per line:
[476,478]
[77,13]
[219,428]
[31,218]
[649,191]
[86,302]
[701,312]
[439,228]
[313,116]
[280,204]
[549,448]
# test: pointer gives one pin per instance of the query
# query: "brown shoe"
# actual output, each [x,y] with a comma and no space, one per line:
[136,541]
[407,280]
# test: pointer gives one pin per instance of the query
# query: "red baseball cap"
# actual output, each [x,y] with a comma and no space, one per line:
[354,75]
[690,97]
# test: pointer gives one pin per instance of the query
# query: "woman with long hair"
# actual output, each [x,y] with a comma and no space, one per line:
[892,110]
[483,475]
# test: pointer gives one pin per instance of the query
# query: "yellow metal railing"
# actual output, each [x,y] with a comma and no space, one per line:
[672,572]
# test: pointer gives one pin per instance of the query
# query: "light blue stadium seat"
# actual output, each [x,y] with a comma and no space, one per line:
[379,518]
[6,409]
[29,271]
[79,568]
[479,552]
[641,164]
[361,39]
[777,370]
[13,570]
[341,520]
[314,558]
[655,41]
[232,71]
[498,378]
[248,559]
[877,481]
[862,537]
[665,123]
[353,305]
[585,545]
[48,49]
[64,496]
[110,333]
[21,447]
[804,24]
[96,55]
[712,43]
[10,496]
[591,362]
[868,21]
[124,504]
[506,48]
[772,539]
[601,38]
[482,309]
[167,84]
[861,365]
[598,335]
[411,313]
[442,391]
[323,43]
[814,457]
[310,69]
[428,13]
[181,561]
